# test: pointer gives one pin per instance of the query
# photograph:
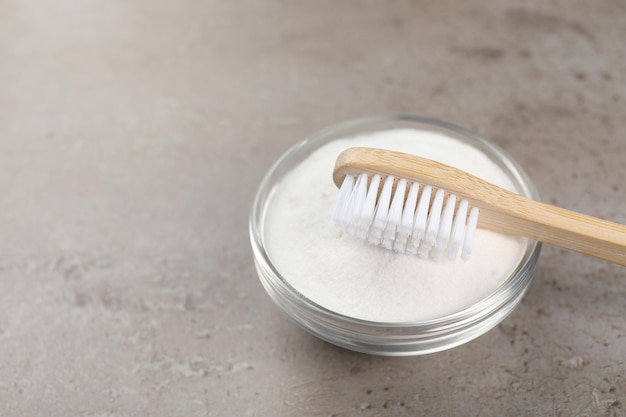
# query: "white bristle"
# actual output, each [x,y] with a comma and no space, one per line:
[443,237]
[458,230]
[421,216]
[382,210]
[339,214]
[408,218]
[432,227]
[408,215]
[404,219]
[468,244]
[445,228]
[369,207]
[395,215]
[355,204]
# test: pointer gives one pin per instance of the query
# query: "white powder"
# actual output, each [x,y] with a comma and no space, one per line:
[354,278]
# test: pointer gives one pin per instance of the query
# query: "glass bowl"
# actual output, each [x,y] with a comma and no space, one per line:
[390,338]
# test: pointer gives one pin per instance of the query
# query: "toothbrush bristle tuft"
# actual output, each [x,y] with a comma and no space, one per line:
[409,218]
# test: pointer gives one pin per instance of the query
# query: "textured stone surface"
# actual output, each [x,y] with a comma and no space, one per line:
[133,135]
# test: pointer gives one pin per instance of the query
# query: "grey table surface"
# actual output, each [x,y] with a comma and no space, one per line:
[133,135]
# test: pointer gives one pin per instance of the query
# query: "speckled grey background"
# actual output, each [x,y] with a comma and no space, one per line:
[133,135]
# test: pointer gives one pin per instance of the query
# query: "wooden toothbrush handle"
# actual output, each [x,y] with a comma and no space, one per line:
[557,226]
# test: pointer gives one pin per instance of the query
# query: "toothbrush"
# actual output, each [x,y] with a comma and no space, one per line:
[418,206]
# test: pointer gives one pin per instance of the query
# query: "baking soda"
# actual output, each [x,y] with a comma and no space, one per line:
[351,277]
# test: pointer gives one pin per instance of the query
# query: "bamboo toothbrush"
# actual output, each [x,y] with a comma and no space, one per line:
[415,205]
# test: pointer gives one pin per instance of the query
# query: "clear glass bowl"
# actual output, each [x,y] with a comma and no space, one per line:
[396,338]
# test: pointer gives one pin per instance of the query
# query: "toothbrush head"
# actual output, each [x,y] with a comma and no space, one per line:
[405,216]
